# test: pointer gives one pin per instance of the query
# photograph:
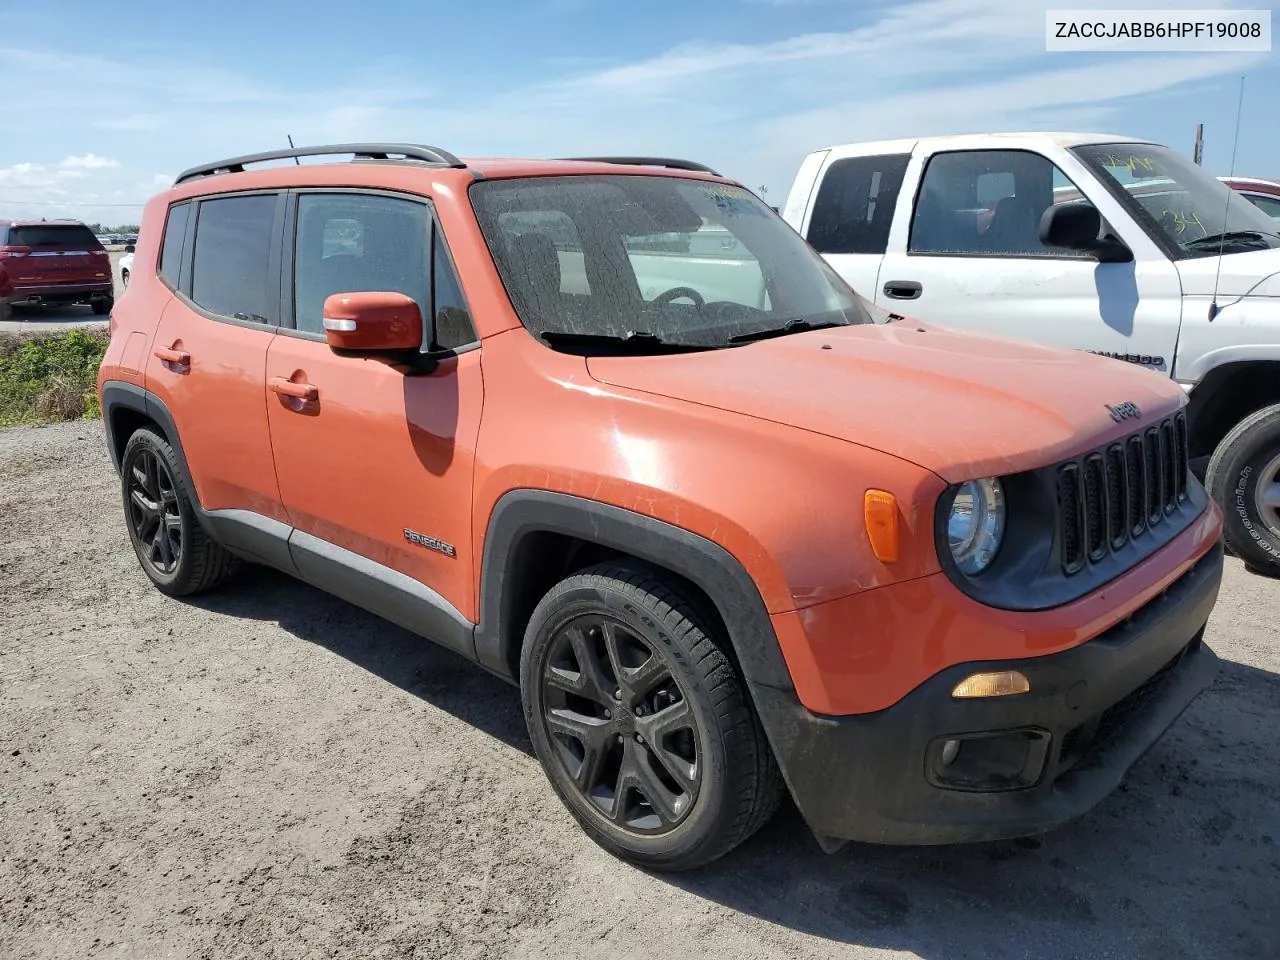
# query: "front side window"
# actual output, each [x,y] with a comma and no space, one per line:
[988,203]
[681,261]
[231,263]
[1186,210]
[350,243]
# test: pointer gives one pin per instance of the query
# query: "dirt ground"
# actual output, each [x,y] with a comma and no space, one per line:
[270,773]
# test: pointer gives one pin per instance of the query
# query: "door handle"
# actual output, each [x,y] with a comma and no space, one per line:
[179,357]
[903,289]
[299,391]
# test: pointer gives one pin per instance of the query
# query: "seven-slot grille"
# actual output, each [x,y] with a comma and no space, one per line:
[1111,496]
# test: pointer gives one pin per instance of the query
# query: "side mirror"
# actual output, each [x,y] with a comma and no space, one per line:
[1077,226]
[372,323]
[129,248]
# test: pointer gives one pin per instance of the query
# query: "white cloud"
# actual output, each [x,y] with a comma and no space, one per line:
[88,161]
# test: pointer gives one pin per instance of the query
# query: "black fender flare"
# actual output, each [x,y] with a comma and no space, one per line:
[521,513]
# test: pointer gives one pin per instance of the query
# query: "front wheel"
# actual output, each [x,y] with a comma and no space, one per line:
[641,722]
[1244,478]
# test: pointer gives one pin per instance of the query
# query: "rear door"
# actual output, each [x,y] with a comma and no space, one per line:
[209,352]
[55,254]
[849,217]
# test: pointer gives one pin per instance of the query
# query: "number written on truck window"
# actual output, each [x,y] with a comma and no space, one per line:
[988,203]
[855,204]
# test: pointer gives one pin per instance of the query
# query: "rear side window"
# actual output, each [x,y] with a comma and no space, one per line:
[175,232]
[71,236]
[855,204]
[231,264]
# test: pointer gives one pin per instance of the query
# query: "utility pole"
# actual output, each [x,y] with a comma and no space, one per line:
[1199,150]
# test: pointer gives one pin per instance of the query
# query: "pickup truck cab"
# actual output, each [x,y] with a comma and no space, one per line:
[1107,244]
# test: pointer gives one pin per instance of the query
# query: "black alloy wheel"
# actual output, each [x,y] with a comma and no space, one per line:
[640,719]
[154,515]
[621,725]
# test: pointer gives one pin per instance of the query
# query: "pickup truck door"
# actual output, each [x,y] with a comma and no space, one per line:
[843,203]
[964,252]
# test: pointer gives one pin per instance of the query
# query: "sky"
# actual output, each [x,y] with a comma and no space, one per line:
[104,103]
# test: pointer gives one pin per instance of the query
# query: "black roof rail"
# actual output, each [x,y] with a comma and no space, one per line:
[361,151]
[672,162]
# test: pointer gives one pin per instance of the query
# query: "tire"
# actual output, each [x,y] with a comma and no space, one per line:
[124,279]
[183,561]
[1244,478]
[6,312]
[103,306]
[677,678]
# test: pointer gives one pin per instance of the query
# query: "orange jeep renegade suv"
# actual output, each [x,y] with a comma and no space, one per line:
[609,428]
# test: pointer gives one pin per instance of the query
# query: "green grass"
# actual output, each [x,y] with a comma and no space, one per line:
[46,378]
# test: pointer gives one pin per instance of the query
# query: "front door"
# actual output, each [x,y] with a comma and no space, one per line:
[376,471]
[967,254]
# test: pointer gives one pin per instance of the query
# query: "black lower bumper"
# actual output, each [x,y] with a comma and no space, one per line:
[71,293]
[1024,764]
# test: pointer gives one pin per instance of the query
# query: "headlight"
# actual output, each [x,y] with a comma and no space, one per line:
[976,524]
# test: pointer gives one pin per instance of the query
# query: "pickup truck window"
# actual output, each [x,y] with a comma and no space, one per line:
[681,261]
[987,203]
[855,203]
[1188,212]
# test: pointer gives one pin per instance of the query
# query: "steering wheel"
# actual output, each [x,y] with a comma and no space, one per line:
[675,293]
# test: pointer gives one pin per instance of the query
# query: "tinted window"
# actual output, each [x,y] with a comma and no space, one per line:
[175,232]
[855,203]
[689,261]
[988,202]
[347,243]
[68,236]
[229,274]
[1268,205]
[453,319]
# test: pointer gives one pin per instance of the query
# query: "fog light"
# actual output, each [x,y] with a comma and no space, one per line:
[950,750]
[1003,683]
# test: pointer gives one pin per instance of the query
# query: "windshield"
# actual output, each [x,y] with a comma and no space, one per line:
[1187,211]
[687,262]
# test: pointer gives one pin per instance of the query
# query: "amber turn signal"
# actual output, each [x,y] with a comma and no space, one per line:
[1003,683]
[880,510]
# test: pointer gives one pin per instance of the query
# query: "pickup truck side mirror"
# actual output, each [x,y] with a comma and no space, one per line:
[373,323]
[1077,226]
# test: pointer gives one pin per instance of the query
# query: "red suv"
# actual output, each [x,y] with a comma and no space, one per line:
[52,262]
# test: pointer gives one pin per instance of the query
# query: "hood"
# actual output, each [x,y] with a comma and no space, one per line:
[959,404]
[1252,274]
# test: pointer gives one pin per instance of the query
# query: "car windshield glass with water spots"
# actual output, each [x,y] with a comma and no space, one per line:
[683,261]
[1179,201]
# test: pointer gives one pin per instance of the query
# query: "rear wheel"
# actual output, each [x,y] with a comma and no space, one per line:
[103,306]
[641,722]
[172,548]
[1244,478]
[6,312]
[124,279]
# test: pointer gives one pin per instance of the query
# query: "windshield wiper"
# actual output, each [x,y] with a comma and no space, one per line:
[796,325]
[1229,237]
[637,341]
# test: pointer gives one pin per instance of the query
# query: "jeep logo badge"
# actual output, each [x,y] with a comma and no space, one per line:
[1124,411]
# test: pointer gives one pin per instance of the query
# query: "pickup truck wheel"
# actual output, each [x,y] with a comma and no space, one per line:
[1244,478]
[172,548]
[641,722]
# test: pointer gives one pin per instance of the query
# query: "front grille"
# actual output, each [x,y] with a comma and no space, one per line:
[1115,495]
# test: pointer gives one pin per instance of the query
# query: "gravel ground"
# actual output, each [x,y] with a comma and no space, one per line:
[269,772]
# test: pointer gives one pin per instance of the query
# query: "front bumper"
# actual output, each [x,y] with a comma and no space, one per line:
[1091,713]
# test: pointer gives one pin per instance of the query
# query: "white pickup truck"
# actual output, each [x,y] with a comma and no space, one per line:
[1108,244]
